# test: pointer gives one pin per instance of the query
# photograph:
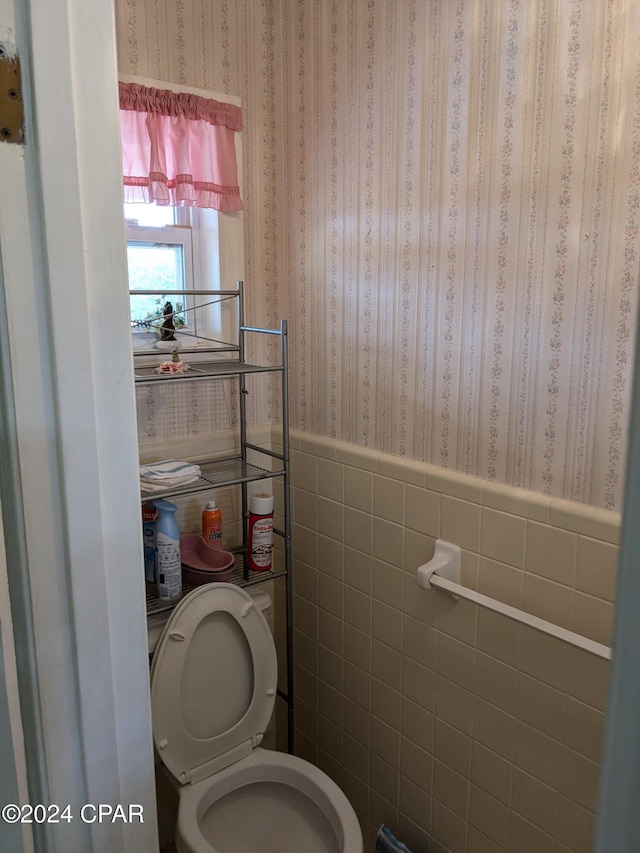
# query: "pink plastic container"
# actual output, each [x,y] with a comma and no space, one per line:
[201,563]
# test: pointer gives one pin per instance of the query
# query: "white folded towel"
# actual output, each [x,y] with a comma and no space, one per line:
[163,485]
[160,476]
[170,469]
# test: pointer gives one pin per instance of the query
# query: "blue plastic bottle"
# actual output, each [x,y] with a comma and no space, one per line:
[149,515]
[168,551]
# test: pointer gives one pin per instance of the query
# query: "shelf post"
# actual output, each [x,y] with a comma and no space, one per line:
[284,345]
[242,408]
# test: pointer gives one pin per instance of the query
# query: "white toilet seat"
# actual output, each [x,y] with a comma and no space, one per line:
[213,681]
[318,806]
[213,687]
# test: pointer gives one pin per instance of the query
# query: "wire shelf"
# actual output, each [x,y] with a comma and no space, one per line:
[202,370]
[214,475]
[233,470]
[239,576]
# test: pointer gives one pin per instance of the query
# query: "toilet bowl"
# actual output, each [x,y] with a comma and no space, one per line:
[213,687]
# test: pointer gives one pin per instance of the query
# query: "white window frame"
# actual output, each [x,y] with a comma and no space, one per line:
[179,234]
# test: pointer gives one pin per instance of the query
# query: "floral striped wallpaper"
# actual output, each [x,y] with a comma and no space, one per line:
[443,197]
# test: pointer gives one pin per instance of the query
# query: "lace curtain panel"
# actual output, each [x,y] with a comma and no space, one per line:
[179,148]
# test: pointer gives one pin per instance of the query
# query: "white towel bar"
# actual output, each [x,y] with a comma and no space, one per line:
[446,561]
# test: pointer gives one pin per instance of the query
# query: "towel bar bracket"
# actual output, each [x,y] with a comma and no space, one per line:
[446,562]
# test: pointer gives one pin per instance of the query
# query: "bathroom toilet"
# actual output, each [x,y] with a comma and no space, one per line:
[213,687]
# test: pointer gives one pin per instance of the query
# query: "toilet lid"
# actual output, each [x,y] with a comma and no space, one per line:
[213,681]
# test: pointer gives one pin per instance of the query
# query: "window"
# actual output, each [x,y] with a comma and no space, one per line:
[176,248]
[185,248]
[160,257]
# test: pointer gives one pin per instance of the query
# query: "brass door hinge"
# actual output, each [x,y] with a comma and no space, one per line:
[11,112]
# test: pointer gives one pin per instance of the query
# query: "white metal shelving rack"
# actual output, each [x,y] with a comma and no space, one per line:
[228,362]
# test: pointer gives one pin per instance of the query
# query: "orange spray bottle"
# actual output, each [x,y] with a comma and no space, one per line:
[212,524]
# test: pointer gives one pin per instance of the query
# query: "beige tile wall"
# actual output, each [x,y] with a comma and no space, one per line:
[460,729]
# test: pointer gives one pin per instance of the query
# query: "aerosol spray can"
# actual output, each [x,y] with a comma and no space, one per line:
[168,550]
[212,524]
[260,540]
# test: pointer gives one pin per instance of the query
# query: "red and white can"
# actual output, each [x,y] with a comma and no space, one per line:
[260,538]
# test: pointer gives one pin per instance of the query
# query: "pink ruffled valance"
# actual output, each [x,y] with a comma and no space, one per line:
[178,148]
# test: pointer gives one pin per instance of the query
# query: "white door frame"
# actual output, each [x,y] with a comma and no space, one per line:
[63,256]
[64,274]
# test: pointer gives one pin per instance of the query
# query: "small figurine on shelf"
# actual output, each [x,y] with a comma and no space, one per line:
[167,328]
